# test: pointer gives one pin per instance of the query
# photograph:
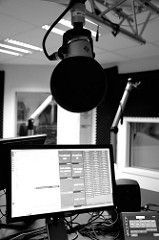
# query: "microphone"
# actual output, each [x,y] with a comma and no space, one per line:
[78,83]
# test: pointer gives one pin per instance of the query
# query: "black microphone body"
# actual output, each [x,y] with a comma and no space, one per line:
[78,82]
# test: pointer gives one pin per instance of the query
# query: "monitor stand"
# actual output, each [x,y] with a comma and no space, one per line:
[56,229]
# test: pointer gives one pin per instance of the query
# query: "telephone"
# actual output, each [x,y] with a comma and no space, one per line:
[140,225]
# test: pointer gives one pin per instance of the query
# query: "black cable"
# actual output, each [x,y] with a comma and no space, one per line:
[4,193]
[71,223]
[95,217]
[97,225]
[151,207]
[2,206]
[26,234]
[75,237]
[52,26]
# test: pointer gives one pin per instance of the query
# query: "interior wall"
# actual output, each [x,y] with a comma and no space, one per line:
[139,65]
[21,78]
[149,197]
[2,76]
[33,79]
[37,78]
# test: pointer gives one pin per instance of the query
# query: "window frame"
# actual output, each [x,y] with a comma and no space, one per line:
[147,179]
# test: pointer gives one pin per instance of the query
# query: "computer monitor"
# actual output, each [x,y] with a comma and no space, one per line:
[4,161]
[58,180]
[29,140]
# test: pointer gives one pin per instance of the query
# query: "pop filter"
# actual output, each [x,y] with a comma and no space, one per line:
[78,84]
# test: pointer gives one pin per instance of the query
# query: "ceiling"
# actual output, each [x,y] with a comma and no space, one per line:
[22,20]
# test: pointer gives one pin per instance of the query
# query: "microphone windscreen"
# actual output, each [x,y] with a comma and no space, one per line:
[78,84]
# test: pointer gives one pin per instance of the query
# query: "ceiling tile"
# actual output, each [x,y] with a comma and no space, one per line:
[151,33]
[109,57]
[36,12]
[11,26]
[110,42]
[4,57]
[36,36]
[141,51]
[22,20]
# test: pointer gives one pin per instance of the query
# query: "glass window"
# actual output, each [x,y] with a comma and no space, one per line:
[144,145]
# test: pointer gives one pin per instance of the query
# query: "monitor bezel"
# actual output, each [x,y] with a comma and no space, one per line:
[37,139]
[60,214]
[29,139]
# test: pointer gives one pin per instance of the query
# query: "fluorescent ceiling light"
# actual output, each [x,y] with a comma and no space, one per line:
[22,44]
[93,33]
[14,48]
[17,51]
[87,20]
[11,53]
[65,23]
[54,30]
[69,24]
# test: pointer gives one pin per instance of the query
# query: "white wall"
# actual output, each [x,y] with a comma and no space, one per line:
[21,78]
[68,127]
[37,78]
[139,65]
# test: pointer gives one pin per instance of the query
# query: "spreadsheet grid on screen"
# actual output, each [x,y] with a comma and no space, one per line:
[58,180]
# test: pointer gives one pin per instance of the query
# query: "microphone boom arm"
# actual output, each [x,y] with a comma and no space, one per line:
[36,113]
[114,128]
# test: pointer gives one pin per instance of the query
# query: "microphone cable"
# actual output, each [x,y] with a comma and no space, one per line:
[52,56]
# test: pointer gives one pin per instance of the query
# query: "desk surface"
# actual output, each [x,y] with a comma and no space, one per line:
[4,233]
[11,233]
[80,237]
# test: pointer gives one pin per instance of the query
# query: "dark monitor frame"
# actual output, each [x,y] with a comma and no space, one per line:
[55,223]
[37,139]
[30,139]
[62,213]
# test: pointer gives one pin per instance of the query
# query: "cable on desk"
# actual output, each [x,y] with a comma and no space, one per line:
[26,234]
[151,207]
[70,228]
[2,194]
[97,225]
[71,222]
[75,237]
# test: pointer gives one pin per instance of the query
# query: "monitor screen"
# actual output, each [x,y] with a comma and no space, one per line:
[59,179]
[4,164]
